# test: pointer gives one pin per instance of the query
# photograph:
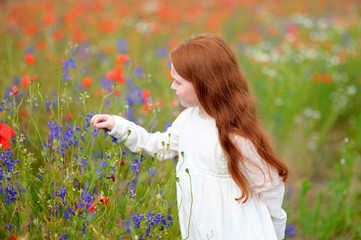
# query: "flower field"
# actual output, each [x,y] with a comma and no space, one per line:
[61,62]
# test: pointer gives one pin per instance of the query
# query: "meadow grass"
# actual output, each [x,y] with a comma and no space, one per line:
[62,179]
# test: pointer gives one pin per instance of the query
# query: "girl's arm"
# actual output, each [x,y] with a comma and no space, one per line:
[265,183]
[162,145]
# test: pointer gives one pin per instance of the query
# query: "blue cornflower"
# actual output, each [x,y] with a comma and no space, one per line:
[136,166]
[163,221]
[139,71]
[137,219]
[84,162]
[80,204]
[135,97]
[103,163]
[167,125]
[66,64]
[66,213]
[170,219]
[147,232]
[122,45]
[157,218]
[30,49]
[9,227]
[8,162]
[49,103]
[16,81]
[82,137]
[291,231]
[77,128]
[87,198]
[152,172]
[62,194]
[9,194]
[85,224]
[63,237]
[87,121]
[162,52]
[66,76]
[127,224]
[106,82]
[132,189]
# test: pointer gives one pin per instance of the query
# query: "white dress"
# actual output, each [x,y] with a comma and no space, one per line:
[206,196]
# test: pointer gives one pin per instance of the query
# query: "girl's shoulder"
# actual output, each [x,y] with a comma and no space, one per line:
[186,113]
[182,118]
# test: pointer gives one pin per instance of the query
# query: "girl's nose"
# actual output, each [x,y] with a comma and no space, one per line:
[173,85]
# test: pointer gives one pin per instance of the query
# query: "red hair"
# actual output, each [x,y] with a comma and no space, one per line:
[209,63]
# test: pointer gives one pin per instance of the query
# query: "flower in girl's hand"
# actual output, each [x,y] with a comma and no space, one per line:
[6,133]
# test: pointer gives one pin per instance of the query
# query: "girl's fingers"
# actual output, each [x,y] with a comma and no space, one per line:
[98,118]
[92,121]
[102,125]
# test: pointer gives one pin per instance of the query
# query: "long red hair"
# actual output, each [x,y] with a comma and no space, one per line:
[209,63]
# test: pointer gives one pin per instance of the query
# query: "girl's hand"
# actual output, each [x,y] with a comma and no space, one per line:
[103,121]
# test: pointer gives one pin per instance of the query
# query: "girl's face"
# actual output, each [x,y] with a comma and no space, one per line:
[184,90]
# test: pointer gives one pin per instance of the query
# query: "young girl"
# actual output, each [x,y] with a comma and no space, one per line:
[231,181]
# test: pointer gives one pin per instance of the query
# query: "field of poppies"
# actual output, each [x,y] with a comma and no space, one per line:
[61,62]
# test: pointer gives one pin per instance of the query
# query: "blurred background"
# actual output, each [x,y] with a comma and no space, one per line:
[301,60]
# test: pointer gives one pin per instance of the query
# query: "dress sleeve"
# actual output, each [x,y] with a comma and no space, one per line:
[163,145]
[264,182]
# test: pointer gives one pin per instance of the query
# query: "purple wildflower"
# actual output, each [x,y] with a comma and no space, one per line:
[162,52]
[63,237]
[66,64]
[167,125]
[291,231]
[122,45]
[103,163]
[139,71]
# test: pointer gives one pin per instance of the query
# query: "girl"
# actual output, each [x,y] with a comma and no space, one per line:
[231,181]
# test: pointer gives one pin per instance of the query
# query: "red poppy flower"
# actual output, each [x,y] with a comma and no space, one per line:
[101,199]
[116,74]
[29,59]
[25,81]
[6,133]
[49,19]
[41,45]
[87,81]
[148,107]
[35,77]
[58,35]
[160,102]
[68,117]
[98,93]
[14,91]
[92,208]
[122,58]
[104,200]
[145,94]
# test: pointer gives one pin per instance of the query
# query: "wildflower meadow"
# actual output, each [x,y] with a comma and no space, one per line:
[61,62]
